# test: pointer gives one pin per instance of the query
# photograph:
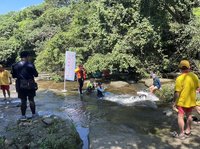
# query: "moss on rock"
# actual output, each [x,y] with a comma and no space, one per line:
[36,134]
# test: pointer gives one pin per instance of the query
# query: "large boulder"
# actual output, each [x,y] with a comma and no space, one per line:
[51,132]
[118,84]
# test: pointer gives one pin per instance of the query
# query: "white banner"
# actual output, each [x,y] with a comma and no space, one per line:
[70,65]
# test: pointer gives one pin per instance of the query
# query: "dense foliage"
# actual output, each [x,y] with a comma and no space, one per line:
[124,35]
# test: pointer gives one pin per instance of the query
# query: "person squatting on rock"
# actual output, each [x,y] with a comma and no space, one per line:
[81,76]
[5,81]
[185,97]
[156,83]
[24,71]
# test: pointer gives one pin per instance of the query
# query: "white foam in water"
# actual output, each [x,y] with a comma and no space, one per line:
[143,99]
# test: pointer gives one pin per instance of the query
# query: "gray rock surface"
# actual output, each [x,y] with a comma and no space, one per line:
[34,134]
[118,84]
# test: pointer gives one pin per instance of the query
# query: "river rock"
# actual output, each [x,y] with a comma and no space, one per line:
[58,133]
[8,142]
[48,121]
[168,112]
[118,84]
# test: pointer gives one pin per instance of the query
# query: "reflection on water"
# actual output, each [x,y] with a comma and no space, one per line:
[83,133]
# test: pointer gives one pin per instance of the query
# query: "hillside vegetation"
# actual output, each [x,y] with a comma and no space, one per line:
[124,35]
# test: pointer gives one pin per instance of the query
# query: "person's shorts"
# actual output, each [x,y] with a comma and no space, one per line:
[22,93]
[5,87]
[155,87]
[182,110]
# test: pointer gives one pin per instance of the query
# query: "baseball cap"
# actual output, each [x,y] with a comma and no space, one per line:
[184,63]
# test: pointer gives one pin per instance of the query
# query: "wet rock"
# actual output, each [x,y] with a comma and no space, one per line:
[56,132]
[48,121]
[118,84]
[8,142]
[168,112]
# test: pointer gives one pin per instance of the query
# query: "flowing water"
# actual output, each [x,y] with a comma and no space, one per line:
[117,121]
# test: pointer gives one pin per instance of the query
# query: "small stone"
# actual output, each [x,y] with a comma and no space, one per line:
[8,142]
[48,121]
[168,112]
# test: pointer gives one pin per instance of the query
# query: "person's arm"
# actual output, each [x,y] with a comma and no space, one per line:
[178,89]
[9,77]
[35,73]
[176,96]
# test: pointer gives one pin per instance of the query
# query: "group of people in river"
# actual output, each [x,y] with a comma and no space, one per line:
[184,101]
[91,85]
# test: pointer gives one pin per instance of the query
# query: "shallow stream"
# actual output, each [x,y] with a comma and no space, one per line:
[116,122]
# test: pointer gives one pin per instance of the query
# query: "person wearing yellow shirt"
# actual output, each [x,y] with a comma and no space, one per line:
[198,101]
[185,97]
[5,81]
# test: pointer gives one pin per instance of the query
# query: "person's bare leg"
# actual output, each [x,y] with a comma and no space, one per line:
[197,109]
[8,91]
[181,123]
[151,88]
[4,94]
[188,123]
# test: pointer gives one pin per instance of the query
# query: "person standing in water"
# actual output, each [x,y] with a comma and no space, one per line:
[185,97]
[5,81]
[24,71]
[81,76]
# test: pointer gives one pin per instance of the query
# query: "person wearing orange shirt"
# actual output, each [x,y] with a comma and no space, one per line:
[185,97]
[81,76]
[5,81]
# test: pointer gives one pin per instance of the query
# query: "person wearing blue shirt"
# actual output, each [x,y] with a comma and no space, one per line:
[156,84]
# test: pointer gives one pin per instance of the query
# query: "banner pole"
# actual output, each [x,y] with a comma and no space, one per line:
[64,86]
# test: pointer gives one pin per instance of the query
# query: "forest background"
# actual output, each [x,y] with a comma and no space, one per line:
[135,36]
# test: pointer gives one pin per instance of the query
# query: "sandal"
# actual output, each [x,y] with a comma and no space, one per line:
[178,136]
[187,134]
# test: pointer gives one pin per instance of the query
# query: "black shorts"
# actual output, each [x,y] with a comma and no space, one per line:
[22,93]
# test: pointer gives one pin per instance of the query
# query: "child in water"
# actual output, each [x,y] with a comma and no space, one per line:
[90,86]
[100,90]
